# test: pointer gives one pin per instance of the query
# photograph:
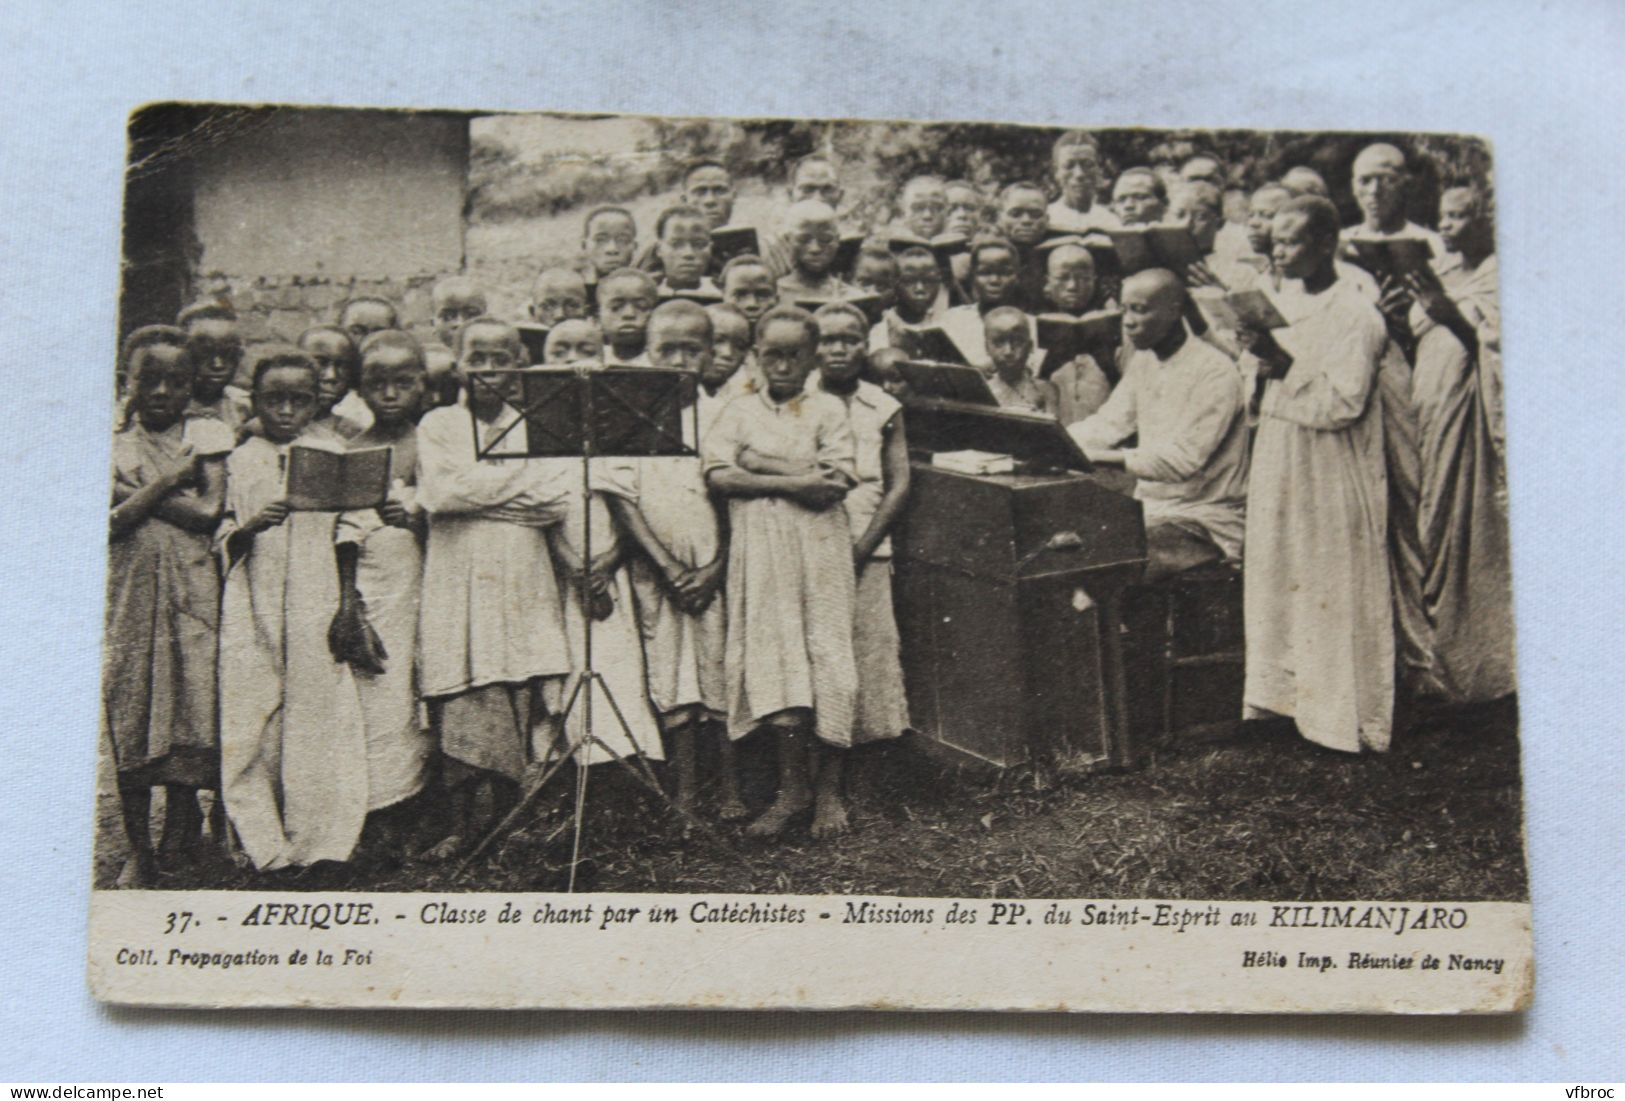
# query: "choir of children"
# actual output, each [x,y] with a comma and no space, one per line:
[324,669]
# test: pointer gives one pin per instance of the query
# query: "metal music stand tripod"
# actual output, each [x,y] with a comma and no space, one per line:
[587,413]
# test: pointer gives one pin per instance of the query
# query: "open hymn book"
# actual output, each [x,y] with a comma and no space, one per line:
[319,480]
[1063,338]
[1232,310]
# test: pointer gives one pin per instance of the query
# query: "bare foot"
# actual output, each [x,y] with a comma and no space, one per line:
[785,809]
[732,808]
[829,820]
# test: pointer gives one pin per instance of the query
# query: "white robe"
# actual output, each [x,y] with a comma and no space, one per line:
[389,576]
[882,704]
[1463,524]
[1317,598]
[617,646]
[491,609]
[683,652]
[790,580]
[1099,218]
[1190,461]
[293,750]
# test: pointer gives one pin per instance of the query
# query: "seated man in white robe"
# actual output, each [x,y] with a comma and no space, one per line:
[1185,402]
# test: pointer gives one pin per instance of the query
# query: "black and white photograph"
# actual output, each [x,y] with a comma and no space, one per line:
[607,505]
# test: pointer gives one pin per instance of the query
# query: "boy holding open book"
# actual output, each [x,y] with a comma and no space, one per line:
[292,736]
[1076,340]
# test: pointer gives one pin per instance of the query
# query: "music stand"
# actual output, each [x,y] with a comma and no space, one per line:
[587,412]
[946,381]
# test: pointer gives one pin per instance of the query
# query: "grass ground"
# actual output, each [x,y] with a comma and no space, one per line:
[1262,816]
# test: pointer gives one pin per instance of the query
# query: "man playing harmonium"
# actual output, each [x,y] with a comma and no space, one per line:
[1185,401]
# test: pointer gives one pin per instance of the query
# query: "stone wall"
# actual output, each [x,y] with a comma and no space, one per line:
[304,209]
[273,307]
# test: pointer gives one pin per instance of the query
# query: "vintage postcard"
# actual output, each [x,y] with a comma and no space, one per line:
[604,561]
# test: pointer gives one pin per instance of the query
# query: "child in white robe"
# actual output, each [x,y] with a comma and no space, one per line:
[163,598]
[381,571]
[872,507]
[788,655]
[625,299]
[292,740]
[597,595]
[491,627]
[662,503]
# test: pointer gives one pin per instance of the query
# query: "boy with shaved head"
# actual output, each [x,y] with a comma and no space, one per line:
[1381,179]
[1185,402]
[366,314]
[748,285]
[559,294]
[1317,599]
[730,351]
[1300,179]
[921,298]
[456,300]
[1075,163]
[683,252]
[573,343]
[814,178]
[967,207]
[609,241]
[215,347]
[813,239]
[709,186]
[923,206]
[1254,265]
[1009,336]
[1024,222]
[625,298]
[1139,197]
